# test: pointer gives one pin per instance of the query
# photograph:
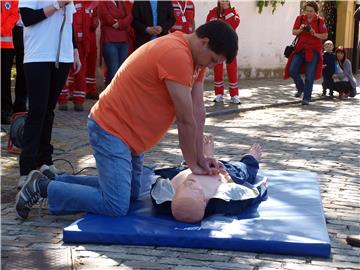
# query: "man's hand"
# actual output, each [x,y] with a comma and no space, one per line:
[116,25]
[77,63]
[158,29]
[151,30]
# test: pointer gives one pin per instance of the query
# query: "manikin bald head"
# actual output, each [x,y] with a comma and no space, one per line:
[189,203]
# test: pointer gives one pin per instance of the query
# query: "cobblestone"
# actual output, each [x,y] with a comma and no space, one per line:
[322,137]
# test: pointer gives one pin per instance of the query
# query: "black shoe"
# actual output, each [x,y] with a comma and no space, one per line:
[353,240]
[331,95]
[305,102]
[92,96]
[29,194]
[298,94]
[323,94]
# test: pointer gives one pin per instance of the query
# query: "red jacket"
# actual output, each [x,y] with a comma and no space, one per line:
[109,13]
[184,9]
[308,43]
[9,17]
[230,16]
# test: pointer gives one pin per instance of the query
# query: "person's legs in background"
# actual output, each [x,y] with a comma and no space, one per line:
[38,78]
[219,82]
[91,68]
[310,77]
[123,52]
[111,58]
[57,81]
[20,85]
[233,82]
[7,58]
[294,70]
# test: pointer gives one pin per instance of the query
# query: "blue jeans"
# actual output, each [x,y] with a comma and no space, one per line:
[294,70]
[114,54]
[107,194]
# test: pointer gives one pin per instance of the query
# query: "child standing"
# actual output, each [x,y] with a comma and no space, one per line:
[328,68]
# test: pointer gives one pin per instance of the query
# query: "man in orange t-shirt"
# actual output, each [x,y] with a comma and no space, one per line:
[160,82]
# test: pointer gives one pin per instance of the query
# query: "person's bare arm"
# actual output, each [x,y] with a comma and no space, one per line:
[187,126]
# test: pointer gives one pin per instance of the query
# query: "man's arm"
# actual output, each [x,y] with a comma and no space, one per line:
[187,127]
[199,115]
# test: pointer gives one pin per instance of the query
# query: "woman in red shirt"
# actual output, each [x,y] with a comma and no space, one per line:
[310,30]
[225,12]
[115,21]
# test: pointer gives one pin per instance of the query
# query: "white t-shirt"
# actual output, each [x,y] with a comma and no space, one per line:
[41,40]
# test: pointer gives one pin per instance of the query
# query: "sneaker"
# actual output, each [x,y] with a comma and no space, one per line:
[28,195]
[62,107]
[21,181]
[45,170]
[298,94]
[55,170]
[78,107]
[219,98]
[305,102]
[235,100]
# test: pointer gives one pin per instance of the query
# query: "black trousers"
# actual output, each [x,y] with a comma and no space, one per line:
[7,58]
[44,83]
[20,87]
[345,87]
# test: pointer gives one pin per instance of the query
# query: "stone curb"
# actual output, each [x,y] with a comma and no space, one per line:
[260,107]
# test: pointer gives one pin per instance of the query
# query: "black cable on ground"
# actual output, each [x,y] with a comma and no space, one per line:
[72,167]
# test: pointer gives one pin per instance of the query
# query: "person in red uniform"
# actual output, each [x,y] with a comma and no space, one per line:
[184,12]
[307,58]
[9,17]
[92,55]
[77,83]
[225,12]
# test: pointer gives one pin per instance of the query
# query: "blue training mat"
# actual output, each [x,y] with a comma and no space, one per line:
[290,221]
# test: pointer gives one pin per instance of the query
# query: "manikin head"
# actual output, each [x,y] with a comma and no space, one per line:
[328,46]
[189,203]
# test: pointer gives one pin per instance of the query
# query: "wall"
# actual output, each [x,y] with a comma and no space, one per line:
[262,37]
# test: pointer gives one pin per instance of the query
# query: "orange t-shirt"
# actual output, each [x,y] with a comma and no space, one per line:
[136,106]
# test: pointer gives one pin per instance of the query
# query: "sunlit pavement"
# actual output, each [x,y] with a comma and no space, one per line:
[322,137]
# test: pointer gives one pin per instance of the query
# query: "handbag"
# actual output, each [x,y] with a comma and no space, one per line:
[289,49]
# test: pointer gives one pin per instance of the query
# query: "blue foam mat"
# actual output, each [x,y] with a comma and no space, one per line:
[291,221]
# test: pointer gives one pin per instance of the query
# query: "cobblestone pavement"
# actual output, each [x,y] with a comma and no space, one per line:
[322,137]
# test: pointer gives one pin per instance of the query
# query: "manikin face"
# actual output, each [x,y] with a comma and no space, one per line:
[206,57]
[310,12]
[189,203]
[328,47]
[340,55]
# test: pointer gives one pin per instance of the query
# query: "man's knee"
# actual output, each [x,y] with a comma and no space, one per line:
[116,209]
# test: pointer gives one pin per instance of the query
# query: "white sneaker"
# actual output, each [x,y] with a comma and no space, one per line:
[21,181]
[219,98]
[235,100]
[50,171]
[55,170]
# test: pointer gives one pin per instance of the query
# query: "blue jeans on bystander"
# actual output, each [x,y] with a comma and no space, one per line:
[114,54]
[109,193]
[294,70]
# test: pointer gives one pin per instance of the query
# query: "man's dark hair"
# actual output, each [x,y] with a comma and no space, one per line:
[223,40]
